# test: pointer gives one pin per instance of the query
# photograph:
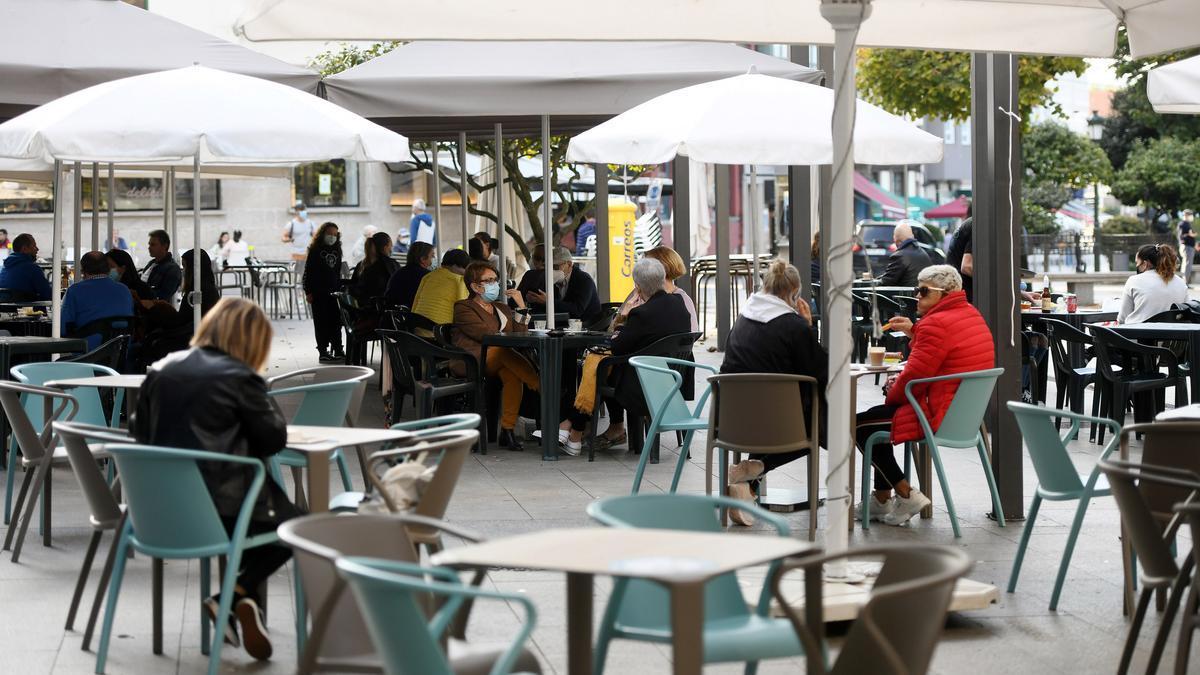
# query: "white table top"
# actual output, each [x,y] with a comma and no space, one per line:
[112,381]
[324,439]
[665,555]
[1187,412]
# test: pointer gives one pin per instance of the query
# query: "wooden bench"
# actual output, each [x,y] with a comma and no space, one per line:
[1083,285]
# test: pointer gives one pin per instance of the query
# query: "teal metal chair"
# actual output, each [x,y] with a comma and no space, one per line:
[90,411]
[1058,480]
[391,596]
[323,404]
[961,428]
[669,412]
[641,610]
[172,516]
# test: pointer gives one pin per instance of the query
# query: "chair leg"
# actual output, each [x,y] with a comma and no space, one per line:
[1168,618]
[1076,524]
[84,571]
[223,610]
[645,456]
[110,607]
[997,508]
[1187,630]
[941,474]
[301,609]
[102,586]
[20,506]
[343,469]
[1136,627]
[605,634]
[9,480]
[1028,530]
[814,482]
[39,481]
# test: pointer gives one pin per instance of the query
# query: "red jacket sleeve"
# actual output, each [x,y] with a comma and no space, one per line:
[929,348]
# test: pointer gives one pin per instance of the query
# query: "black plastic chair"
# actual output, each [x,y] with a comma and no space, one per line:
[107,328]
[358,336]
[432,382]
[608,312]
[1070,381]
[111,354]
[1131,372]
[675,346]
[1190,622]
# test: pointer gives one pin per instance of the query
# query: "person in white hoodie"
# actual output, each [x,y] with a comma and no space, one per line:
[358,251]
[774,334]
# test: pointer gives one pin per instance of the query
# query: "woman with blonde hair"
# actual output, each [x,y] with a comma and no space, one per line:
[1155,287]
[212,397]
[673,264]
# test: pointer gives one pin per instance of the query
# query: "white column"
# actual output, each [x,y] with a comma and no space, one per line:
[437,198]
[197,296]
[547,229]
[95,206]
[112,198]
[753,225]
[77,241]
[56,255]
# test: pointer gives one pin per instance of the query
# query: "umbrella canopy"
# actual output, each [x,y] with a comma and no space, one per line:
[176,115]
[51,48]
[952,209]
[1175,87]
[1065,27]
[38,170]
[437,89]
[750,119]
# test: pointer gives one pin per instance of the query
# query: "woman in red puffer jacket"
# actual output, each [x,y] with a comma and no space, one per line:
[951,337]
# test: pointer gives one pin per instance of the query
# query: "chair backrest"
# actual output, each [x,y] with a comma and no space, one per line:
[449,451]
[898,629]
[1061,334]
[327,374]
[675,346]
[661,387]
[401,363]
[1181,315]
[35,438]
[111,354]
[105,329]
[323,404]
[91,407]
[427,352]
[433,426]
[1047,450]
[1165,444]
[103,505]
[756,412]
[960,424]
[318,541]
[1128,482]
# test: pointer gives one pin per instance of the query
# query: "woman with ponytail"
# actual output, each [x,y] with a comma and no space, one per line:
[1155,288]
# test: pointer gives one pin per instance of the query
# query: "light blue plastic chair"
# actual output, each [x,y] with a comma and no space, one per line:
[1058,480]
[669,412]
[324,404]
[641,610]
[172,516]
[960,429]
[91,410]
[391,596]
[422,429]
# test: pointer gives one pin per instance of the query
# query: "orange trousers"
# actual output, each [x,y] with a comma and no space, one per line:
[515,375]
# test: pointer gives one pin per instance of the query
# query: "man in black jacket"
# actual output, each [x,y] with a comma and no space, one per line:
[162,273]
[907,261]
[574,290]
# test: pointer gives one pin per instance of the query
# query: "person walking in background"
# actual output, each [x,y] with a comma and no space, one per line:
[162,273]
[585,230]
[236,251]
[1155,288]
[421,226]
[299,231]
[961,256]
[402,287]
[118,242]
[322,278]
[907,261]
[1187,249]
[21,277]
[96,296]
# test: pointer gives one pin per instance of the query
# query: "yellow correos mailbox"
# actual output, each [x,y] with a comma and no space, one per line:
[622,219]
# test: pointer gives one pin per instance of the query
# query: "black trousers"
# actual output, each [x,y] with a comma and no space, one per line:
[327,323]
[879,418]
[260,562]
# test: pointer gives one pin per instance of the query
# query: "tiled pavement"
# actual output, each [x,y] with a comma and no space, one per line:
[506,493]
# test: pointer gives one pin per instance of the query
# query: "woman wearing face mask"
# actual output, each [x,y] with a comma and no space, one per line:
[482,313]
[122,269]
[322,278]
[1155,288]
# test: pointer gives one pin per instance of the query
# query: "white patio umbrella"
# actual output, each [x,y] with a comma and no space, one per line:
[1175,87]
[197,114]
[756,119]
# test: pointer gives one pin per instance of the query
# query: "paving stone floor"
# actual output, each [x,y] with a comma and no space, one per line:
[504,493]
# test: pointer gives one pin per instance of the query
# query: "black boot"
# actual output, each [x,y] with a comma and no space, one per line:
[508,439]
[324,356]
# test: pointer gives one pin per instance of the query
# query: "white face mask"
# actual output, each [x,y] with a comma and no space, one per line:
[303,215]
[559,276]
[330,239]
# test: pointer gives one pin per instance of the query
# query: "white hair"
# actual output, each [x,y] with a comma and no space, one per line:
[944,277]
[369,230]
[649,276]
[418,205]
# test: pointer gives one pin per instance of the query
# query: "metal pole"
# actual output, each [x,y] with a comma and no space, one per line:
[437,196]
[112,190]
[197,263]
[167,195]
[174,212]
[603,271]
[547,220]
[845,19]
[721,234]
[95,206]
[753,228]
[464,193]
[681,217]
[56,256]
[78,231]
[499,173]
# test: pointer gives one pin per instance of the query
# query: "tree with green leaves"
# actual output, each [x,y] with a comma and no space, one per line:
[1057,162]
[1162,174]
[938,84]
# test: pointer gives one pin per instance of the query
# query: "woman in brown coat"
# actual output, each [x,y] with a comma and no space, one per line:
[483,313]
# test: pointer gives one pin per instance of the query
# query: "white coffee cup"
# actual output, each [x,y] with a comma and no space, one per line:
[539,325]
[575,325]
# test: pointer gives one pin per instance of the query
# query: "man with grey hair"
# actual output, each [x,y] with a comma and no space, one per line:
[661,315]
[574,290]
[907,259]
[421,226]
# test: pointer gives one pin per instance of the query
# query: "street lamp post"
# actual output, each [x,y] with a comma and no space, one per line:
[1095,125]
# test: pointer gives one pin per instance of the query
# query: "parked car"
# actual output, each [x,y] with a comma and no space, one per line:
[874,244]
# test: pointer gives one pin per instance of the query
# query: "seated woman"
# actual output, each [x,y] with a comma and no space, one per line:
[480,314]
[951,337]
[773,334]
[1155,287]
[122,269]
[168,329]
[402,287]
[660,315]
[212,397]
[369,281]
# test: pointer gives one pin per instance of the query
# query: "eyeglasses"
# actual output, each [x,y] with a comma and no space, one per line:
[924,290]
[488,280]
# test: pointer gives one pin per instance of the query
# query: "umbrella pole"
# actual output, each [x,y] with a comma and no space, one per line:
[172,224]
[753,227]
[499,173]
[78,229]
[197,297]
[547,224]
[56,254]
[845,19]
[437,197]
[462,187]
[112,190]
[95,206]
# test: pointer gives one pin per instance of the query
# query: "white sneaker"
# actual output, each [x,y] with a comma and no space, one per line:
[563,435]
[878,511]
[904,509]
[567,446]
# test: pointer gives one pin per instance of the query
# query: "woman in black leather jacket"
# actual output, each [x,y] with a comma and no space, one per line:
[211,397]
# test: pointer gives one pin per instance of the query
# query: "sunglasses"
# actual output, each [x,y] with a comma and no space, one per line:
[924,290]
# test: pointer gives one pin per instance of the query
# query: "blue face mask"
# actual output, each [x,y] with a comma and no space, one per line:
[114,274]
[491,292]
[303,215]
